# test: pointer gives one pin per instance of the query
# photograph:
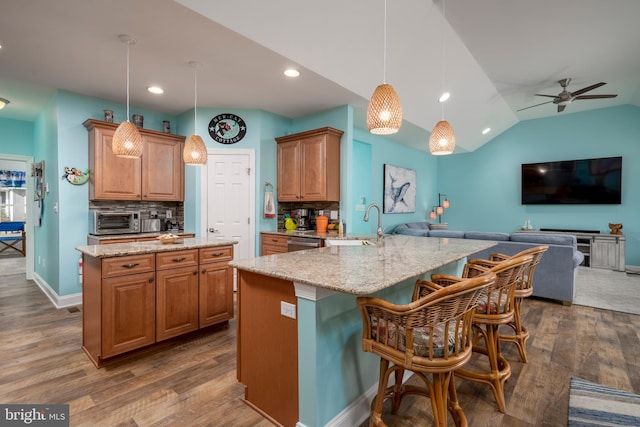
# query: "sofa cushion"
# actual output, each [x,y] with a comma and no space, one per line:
[418,225]
[447,233]
[486,235]
[411,232]
[545,238]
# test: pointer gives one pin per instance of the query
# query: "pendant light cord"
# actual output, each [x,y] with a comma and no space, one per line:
[443,50]
[384,46]
[195,97]
[128,44]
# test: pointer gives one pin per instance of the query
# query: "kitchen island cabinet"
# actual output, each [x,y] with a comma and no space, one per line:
[137,294]
[300,330]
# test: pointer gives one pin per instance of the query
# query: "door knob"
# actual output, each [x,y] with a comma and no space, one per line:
[214,230]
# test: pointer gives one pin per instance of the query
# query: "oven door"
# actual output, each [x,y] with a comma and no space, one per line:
[302,243]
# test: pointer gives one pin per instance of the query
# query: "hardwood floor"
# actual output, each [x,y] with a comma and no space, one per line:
[191,381]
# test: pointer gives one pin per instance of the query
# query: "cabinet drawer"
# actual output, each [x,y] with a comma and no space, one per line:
[174,259]
[128,265]
[216,254]
[275,240]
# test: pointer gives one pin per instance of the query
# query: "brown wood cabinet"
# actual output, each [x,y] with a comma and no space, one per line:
[133,301]
[157,176]
[176,293]
[216,285]
[274,244]
[309,166]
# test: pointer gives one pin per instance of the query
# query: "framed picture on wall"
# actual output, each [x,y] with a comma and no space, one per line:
[399,190]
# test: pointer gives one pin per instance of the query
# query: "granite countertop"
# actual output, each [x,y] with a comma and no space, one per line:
[364,269]
[330,235]
[135,235]
[135,248]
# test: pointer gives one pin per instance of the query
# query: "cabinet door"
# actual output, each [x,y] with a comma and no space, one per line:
[274,244]
[128,313]
[604,253]
[313,166]
[162,169]
[289,171]
[112,178]
[216,293]
[176,302]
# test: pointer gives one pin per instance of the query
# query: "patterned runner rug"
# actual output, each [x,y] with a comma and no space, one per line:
[592,404]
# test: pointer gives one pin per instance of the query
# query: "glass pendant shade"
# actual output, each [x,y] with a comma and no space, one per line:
[442,140]
[433,215]
[195,152]
[439,210]
[384,114]
[446,204]
[127,141]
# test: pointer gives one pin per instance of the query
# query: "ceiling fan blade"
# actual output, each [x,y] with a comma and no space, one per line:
[588,88]
[595,96]
[548,96]
[561,108]
[526,108]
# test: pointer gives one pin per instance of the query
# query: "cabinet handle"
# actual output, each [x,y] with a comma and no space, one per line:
[179,259]
[204,270]
[195,272]
[217,254]
[274,240]
[151,280]
[133,264]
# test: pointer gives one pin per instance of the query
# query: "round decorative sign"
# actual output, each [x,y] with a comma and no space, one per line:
[227,128]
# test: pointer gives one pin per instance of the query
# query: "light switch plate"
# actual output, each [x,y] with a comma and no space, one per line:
[334,214]
[168,214]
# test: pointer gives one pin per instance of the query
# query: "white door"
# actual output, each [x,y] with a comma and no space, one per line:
[229,199]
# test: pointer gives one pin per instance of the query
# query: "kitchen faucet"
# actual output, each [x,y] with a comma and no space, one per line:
[380,232]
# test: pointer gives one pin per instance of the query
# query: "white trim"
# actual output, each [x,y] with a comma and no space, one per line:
[634,269]
[252,192]
[57,300]
[359,410]
[312,293]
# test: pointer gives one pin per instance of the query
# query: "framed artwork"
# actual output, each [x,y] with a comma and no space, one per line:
[37,171]
[399,190]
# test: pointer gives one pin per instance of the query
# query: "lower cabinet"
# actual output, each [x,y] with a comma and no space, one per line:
[274,244]
[133,301]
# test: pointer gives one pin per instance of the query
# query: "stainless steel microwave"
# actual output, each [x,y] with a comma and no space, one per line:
[108,222]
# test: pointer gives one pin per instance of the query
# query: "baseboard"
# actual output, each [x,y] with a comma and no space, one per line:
[633,269]
[57,300]
[359,410]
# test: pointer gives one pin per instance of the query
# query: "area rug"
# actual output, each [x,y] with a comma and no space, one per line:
[609,290]
[592,404]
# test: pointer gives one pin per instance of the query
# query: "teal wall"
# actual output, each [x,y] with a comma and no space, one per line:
[484,186]
[16,137]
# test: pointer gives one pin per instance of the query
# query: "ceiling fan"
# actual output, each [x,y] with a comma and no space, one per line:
[565,97]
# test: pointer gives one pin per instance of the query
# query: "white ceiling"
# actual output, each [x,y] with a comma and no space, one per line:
[497,55]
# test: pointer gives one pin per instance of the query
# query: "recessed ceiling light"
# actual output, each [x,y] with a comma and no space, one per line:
[291,72]
[155,89]
[486,131]
[444,97]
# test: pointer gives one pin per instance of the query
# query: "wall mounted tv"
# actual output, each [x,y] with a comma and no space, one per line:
[573,182]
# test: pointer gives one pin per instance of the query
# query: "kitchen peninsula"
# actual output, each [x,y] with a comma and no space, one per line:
[300,330]
[139,293]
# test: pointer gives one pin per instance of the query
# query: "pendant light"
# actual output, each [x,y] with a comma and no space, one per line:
[195,151]
[442,140]
[3,103]
[384,114]
[127,141]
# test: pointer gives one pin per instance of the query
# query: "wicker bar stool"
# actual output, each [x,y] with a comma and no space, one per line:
[495,308]
[524,289]
[430,335]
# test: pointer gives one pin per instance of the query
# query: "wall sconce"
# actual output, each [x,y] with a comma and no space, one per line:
[438,211]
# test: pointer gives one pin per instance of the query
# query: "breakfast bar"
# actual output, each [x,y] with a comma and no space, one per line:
[299,328]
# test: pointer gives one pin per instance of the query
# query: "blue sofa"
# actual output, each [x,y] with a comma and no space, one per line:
[555,275]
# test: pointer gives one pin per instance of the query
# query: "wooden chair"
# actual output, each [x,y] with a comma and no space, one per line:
[11,234]
[430,335]
[495,308]
[524,289]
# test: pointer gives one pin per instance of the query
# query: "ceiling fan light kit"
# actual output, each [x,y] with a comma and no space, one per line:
[565,97]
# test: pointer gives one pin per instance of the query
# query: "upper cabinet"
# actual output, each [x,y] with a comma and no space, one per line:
[309,166]
[157,176]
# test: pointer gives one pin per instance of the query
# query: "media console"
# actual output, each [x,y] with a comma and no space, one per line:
[600,250]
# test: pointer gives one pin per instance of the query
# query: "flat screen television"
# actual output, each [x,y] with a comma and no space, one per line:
[573,182]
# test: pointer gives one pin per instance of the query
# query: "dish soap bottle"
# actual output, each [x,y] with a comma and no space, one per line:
[340,227]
